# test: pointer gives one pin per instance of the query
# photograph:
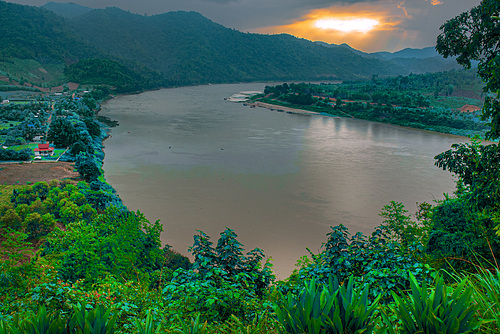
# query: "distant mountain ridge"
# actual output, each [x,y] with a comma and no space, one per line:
[186,48]
[68,9]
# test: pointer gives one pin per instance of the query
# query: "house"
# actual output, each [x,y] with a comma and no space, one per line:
[44,150]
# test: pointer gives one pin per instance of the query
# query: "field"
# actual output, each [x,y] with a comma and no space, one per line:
[22,173]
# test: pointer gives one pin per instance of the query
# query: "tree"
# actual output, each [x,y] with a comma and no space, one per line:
[62,132]
[87,167]
[464,227]
[475,36]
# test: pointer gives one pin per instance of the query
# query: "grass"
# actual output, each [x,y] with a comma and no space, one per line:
[486,286]
[7,124]
[454,102]
[6,192]
[22,147]
[33,71]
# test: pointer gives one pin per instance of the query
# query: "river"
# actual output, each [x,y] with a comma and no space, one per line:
[194,161]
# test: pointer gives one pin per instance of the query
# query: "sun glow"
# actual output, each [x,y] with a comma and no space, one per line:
[350,25]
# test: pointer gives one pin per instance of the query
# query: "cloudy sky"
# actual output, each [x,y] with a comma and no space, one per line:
[368,25]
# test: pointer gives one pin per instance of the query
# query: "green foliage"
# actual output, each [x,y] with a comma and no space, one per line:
[260,324]
[32,33]
[378,262]
[36,209]
[62,132]
[486,293]
[95,321]
[400,226]
[222,282]
[214,294]
[12,155]
[464,227]
[87,167]
[194,326]
[113,243]
[105,72]
[14,248]
[439,310]
[228,257]
[476,166]
[402,100]
[41,323]
[146,327]
[473,36]
[327,309]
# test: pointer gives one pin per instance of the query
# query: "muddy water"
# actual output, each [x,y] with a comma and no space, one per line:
[194,161]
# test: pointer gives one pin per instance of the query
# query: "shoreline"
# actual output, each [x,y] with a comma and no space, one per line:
[279,108]
[297,111]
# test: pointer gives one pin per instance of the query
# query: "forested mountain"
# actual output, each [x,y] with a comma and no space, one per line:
[66,9]
[183,48]
[428,52]
[33,33]
[188,47]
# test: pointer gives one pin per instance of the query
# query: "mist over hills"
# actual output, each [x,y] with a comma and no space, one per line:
[185,48]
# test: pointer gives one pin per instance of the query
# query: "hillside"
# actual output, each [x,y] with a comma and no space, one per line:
[179,48]
[66,9]
[186,46]
[32,33]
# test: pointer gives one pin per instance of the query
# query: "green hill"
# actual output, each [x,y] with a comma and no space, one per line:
[189,48]
[176,48]
[32,33]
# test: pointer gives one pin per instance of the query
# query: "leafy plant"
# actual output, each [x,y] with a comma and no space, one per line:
[378,262]
[440,310]
[331,309]
[486,287]
[260,324]
[214,294]
[96,321]
[42,322]
[194,326]
[146,327]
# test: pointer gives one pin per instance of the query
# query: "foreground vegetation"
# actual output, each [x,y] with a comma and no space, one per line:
[75,260]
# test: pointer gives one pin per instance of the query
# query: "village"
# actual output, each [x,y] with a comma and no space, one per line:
[42,127]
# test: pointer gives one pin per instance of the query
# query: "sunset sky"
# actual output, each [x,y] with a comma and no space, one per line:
[368,25]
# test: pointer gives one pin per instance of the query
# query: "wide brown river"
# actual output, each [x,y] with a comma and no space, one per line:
[194,161]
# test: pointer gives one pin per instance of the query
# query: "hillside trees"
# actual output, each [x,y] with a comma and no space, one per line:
[463,227]
[475,36]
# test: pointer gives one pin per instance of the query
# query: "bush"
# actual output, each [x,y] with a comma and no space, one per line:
[438,310]
[330,308]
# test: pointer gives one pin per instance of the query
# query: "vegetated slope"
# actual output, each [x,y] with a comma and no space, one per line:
[424,53]
[189,48]
[32,33]
[417,61]
[176,48]
[109,72]
[36,44]
[68,9]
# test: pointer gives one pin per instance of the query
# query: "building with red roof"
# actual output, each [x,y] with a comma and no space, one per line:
[44,150]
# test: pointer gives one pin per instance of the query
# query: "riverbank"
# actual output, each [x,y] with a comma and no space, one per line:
[279,108]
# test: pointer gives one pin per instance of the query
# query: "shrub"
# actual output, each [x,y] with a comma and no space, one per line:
[328,308]
[438,310]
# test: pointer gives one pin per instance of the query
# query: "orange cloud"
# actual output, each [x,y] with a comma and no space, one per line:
[361,26]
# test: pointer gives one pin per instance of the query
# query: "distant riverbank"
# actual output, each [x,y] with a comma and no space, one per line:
[282,108]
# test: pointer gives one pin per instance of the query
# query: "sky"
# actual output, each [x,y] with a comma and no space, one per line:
[367,25]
